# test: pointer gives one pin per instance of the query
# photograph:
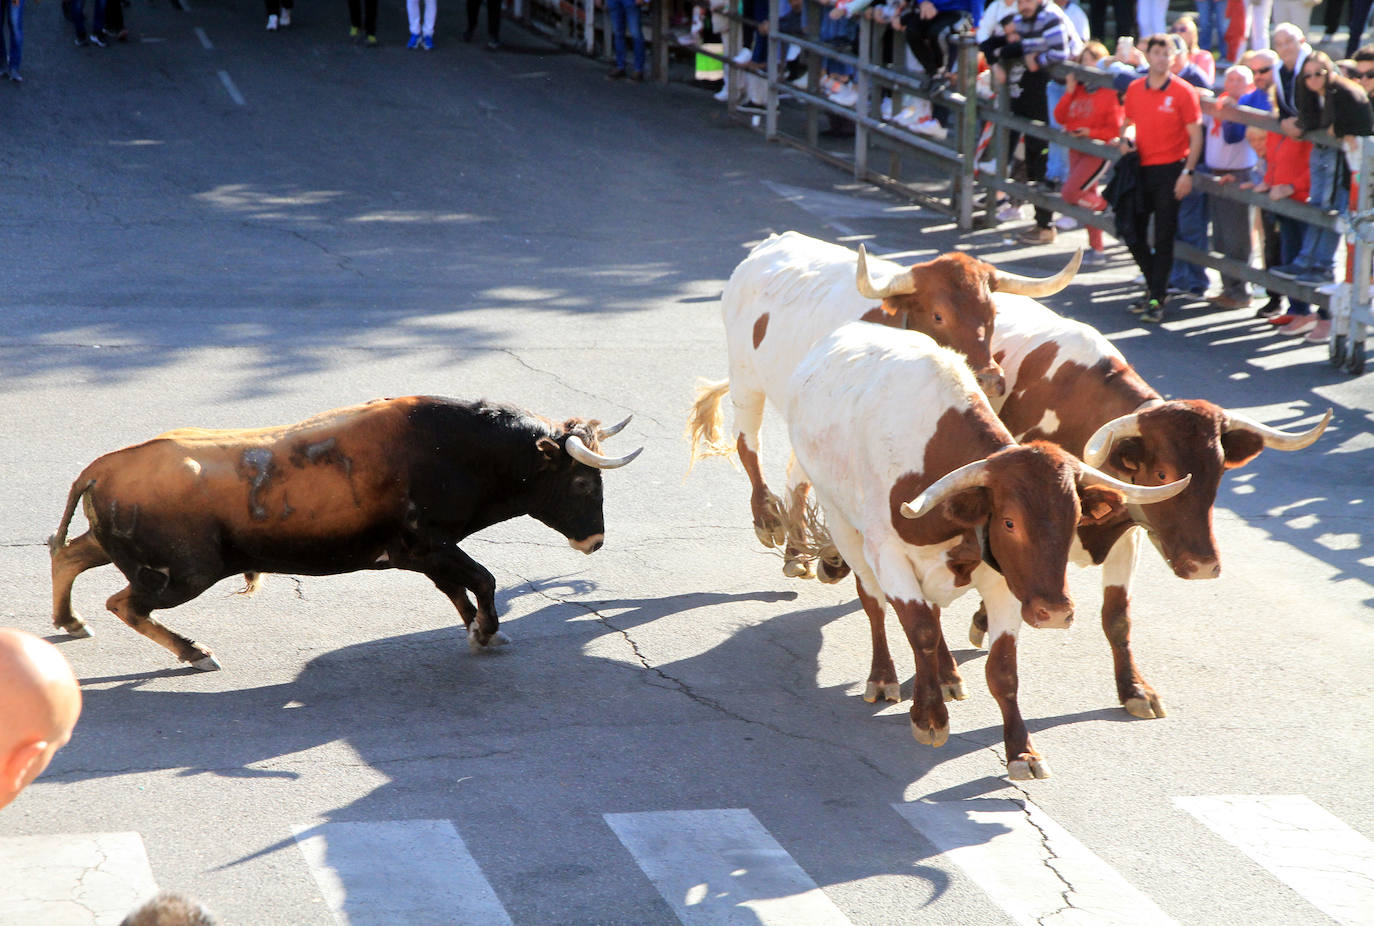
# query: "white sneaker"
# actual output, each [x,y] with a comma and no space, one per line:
[1066,223]
[722,95]
[1093,258]
[930,126]
[285,18]
[272,23]
[845,96]
[885,107]
[906,117]
[987,167]
[1009,213]
[744,57]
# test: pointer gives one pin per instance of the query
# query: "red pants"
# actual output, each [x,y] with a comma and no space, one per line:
[1080,189]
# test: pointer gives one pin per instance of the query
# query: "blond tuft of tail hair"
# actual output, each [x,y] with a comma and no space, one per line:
[706,425]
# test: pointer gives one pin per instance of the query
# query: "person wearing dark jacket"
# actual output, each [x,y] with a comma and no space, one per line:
[1335,103]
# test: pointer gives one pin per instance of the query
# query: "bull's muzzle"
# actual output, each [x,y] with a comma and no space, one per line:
[1048,613]
[590,544]
[992,382]
[1197,567]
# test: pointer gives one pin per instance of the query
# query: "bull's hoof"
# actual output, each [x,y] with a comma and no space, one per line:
[771,537]
[976,635]
[1146,708]
[797,568]
[831,571]
[77,630]
[936,737]
[207,663]
[1027,768]
[478,642]
[953,691]
[888,691]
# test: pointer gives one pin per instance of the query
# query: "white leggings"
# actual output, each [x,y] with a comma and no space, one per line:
[1151,16]
[413,11]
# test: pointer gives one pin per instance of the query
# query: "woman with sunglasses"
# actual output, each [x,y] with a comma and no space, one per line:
[1187,28]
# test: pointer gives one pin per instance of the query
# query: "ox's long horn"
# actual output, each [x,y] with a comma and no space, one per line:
[1273,437]
[613,430]
[1135,495]
[1100,444]
[965,477]
[584,454]
[898,284]
[1018,285]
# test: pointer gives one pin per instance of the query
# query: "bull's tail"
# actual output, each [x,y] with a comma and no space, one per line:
[59,540]
[706,424]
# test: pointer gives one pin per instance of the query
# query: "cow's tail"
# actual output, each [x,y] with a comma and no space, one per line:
[59,540]
[706,424]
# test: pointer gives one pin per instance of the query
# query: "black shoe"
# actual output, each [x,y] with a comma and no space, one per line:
[1140,305]
[82,41]
[615,74]
[1270,309]
[467,35]
[637,77]
[1154,312]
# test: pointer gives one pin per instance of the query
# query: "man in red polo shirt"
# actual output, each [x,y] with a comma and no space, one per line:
[1168,134]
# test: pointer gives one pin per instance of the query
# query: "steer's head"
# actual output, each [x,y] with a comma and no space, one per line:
[568,483]
[950,299]
[1028,501]
[1156,445]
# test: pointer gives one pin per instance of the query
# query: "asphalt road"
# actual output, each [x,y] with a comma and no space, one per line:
[512,225]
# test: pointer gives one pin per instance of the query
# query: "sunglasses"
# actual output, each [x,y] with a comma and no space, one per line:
[1309,76]
[1268,69]
[1365,75]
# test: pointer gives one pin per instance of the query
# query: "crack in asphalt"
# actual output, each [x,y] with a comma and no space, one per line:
[560,381]
[1048,859]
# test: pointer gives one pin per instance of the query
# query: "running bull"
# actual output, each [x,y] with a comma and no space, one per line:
[391,484]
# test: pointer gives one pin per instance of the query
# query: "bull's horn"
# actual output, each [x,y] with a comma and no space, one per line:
[1135,495]
[1018,285]
[584,454]
[1273,437]
[613,430]
[899,284]
[965,477]
[1100,444]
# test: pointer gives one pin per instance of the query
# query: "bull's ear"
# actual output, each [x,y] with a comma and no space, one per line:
[1239,447]
[549,449]
[1128,454]
[1100,504]
[969,508]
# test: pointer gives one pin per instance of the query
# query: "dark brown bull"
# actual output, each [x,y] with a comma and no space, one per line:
[392,484]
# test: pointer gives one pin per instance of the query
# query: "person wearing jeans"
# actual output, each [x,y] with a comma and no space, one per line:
[625,17]
[75,11]
[12,37]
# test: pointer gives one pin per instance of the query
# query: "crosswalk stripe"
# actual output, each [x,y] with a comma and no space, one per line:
[415,872]
[1326,862]
[717,867]
[86,879]
[1029,865]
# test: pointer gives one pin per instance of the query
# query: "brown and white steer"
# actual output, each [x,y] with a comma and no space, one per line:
[923,489]
[1068,384]
[792,290]
[392,484]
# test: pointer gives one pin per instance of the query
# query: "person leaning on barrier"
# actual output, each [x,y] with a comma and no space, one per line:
[1168,136]
[1286,177]
[1088,113]
[39,703]
[1263,65]
[1230,159]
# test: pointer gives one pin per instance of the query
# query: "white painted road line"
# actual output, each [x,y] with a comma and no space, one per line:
[1030,865]
[717,867]
[204,39]
[229,86]
[1326,862]
[85,879]
[399,871]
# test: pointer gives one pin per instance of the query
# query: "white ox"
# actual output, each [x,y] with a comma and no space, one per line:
[924,490]
[792,290]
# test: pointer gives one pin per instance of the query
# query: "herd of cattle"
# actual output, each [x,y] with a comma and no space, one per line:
[956,434]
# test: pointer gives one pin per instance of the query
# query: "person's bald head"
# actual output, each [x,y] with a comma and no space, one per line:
[39,703]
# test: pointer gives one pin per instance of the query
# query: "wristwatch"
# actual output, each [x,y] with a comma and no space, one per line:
[1187,171]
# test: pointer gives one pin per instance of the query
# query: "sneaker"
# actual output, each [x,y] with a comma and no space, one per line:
[845,96]
[1036,234]
[885,107]
[1287,271]
[615,73]
[987,167]
[14,76]
[493,45]
[272,23]
[1313,277]
[82,41]
[1300,325]
[722,95]
[1154,312]
[906,117]
[636,76]
[1093,258]
[1140,305]
[1287,318]
[372,42]
[1226,301]
[1066,223]
[413,41]
[1320,332]
[96,40]
[929,126]
[427,42]
[352,32]
[1009,213]
[1270,309]
[744,57]
[285,18]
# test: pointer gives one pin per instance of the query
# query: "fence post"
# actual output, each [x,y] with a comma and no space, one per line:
[1001,147]
[967,142]
[864,86]
[589,26]
[731,72]
[770,130]
[662,20]
[1364,253]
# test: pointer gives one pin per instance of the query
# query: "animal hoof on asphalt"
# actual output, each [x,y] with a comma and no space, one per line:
[477,645]
[976,635]
[795,568]
[935,738]
[207,664]
[830,572]
[953,691]
[1027,768]
[888,691]
[79,631]
[769,538]
[1145,708]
